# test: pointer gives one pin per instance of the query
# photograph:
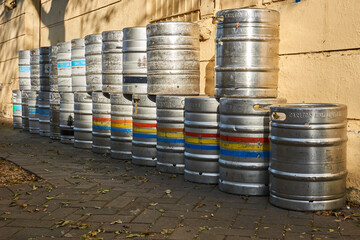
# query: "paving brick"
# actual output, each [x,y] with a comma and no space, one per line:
[184,233]
[147,216]
[109,218]
[325,221]
[27,233]
[348,228]
[164,223]
[294,235]
[270,231]
[30,223]
[8,232]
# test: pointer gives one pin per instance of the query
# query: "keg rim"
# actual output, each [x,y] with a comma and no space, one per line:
[247,10]
[308,106]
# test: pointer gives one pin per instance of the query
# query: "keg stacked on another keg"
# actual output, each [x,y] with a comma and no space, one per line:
[173,70]
[33,100]
[246,74]
[54,96]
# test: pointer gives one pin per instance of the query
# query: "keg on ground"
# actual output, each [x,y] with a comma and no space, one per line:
[245,145]
[101,125]
[82,120]
[201,140]
[55,115]
[173,58]
[93,47]
[170,134]
[247,49]
[144,130]
[67,117]
[24,70]
[33,112]
[17,110]
[112,61]
[25,110]
[134,60]
[78,69]
[308,156]
[44,113]
[63,57]
[53,69]
[121,126]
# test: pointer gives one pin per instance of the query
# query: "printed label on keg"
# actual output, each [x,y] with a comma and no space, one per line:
[64,64]
[135,79]
[24,68]
[16,108]
[78,63]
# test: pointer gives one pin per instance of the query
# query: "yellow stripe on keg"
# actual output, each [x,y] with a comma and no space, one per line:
[246,147]
[121,125]
[201,140]
[144,130]
[170,134]
[106,124]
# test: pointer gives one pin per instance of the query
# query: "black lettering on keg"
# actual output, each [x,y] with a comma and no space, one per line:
[135,79]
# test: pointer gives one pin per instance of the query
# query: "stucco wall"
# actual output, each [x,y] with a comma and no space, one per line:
[319,47]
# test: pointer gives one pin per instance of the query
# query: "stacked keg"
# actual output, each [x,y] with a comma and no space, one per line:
[54,96]
[82,99]
[25,87]
[246,74]
[63,58]
[33,100]
[173,70]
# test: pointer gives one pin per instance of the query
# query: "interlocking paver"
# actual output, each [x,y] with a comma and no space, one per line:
[95,192]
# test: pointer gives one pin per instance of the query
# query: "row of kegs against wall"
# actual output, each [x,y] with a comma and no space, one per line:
[134,94]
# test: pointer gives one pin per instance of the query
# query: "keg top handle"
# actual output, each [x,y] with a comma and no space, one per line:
[248,15]
[298,112]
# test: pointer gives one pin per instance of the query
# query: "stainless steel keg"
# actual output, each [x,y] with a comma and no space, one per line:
[78,69]
[82,120]
[17,110]
[112,61]
[144,130]
[101,125]
[173,58]
[35,69]
[33,112]
[170,133]
[45,68]
[55,115]
[121,126]
[247,49]
[44,113]
[24,70]
[93,47]
[53,69]
[201,140]
[134,60]
[308,156]
[64,66]
[245,145]
[25,110]
[67,117]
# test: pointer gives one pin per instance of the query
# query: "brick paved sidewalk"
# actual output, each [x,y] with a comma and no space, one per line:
[93,196]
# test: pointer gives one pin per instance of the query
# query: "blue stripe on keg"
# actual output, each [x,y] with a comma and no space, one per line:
[171,140]
[24,68]
[33,110]
[44,112]
[139,135]
[78,63]
[106,128]
[64,64]
[202,147]
[16,108]
[245,154]
[123,130]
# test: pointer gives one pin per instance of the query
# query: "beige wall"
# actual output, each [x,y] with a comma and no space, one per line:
[319,47]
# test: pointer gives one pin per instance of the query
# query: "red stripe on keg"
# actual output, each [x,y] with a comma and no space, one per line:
[204,135]
[121,121]
[244,139]
[136,124]
[170,129]
[101,119]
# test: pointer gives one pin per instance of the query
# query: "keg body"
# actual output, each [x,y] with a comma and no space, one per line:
[25,110]
[44,113]
[55,115]
[67,117]
[134,61]
[24,70]
[245,145]
[33,102]
[78,69]
[121,126]
[247,49]
[82,120]
[112,64]
[35,69]
[170,133]
[101,125]
[173,58]
[17,109]
[45,68]
[144,130]
[64,67]
[201,140]
[308,156]
[93,45]
[53,69]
